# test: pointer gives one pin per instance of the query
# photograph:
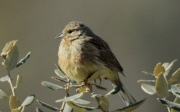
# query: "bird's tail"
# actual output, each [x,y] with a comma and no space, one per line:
[125,95]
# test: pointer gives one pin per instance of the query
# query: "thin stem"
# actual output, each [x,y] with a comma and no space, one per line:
[23,109]
[67,95]
[10,82]
[168,109]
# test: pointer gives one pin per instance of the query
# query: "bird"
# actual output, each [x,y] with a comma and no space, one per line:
[84,57]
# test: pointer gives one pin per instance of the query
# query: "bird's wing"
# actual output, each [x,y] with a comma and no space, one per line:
[106,54]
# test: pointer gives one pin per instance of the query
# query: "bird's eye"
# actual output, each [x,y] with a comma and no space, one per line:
[70,31]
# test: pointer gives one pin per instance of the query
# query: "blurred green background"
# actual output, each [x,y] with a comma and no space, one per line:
[141,33]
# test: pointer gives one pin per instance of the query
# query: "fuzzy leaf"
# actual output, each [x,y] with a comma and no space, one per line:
[80,108]
[50,107]
[67,108]
[80,101]
[169,67]
[162,85]
[38,110]
[3,94]
[104,103]
[175,89]
[51,85]
[170,104]
[146,81]
[18,80]
[4,79]
[132,107]
[147,73]
[28,101]
[59,79]
[14,102]
[175,77]
[23,60]
[59,73]
[158,69]
[11,58]
[176,100]
[149,89]
[57,66]
[71,98]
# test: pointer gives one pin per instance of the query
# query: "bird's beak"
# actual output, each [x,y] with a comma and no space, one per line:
[60,35]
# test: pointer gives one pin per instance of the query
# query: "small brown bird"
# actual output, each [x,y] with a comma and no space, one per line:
[85,57]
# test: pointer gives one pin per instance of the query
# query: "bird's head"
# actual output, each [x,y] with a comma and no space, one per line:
[74,30]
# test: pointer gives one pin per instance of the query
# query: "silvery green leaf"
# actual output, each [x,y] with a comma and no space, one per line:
[18,80]
[67,108]
[4,79]
[169,67]
[51,85]
[23,60]
[70,98]
[80,101]
[175,89]
[162,85]
[3,94]
[50,107]
[170,104]
[29,100]
[12,56]
[80,108]
[38,110]
[149,89]
[175,77]
[59,73]
[176,100]
[131,107]
[146,81]
[59,79]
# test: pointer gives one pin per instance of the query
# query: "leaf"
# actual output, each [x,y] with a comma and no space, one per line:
[80,108]
[162,85]
[51,85]
[12,56]
[100,87]
[18,80]
[38,110]
[59,79]
[104,103]
[169,67]
[23,60]
[146,81]
[158,69]
[80,101]
[176,100]
[149,89]
[170,104]
[175,89]
[175,77]
[59,73]
[57,66]
[14,102]
[15,110]
[5,78]
[147,73]
[67,108]
[132,107]
[3,95]
[71,98]
[28,101]
[50,107]
[115,90]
